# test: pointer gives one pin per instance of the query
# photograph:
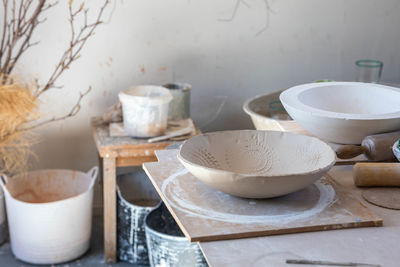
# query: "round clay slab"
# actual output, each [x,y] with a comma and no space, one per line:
[386,197]
[182,192]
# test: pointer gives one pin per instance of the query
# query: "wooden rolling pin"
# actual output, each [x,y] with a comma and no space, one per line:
[376,147]
[377,174]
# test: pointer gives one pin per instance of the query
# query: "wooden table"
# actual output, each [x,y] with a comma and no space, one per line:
[373,245]
[118,152]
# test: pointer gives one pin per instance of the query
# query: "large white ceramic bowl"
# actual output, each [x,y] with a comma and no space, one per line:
[344,112]
[256,164]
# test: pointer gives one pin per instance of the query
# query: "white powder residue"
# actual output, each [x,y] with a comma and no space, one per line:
[173,192]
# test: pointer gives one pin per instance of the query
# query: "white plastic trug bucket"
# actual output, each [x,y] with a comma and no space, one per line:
[49,214]
[145,110]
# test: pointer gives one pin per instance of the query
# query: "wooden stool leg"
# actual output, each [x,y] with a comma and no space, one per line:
[110,210]
[101,170]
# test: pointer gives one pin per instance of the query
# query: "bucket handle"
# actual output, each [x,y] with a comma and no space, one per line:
[93,173]
[3,180]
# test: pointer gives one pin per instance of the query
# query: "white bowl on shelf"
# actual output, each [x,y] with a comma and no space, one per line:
[344,112]
[256,164]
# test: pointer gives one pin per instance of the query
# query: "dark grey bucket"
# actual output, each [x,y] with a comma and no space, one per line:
[167,244]
[136,198]
[179,107]
[3,232]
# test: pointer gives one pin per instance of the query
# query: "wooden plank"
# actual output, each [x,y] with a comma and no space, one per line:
[110,210]
[98,139]
[205,214]
[134,161]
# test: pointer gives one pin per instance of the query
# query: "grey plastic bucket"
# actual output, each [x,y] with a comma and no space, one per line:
[166,243]
[136,198]
[179,107]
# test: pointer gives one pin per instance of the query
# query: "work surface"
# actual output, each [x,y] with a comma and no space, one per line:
[374,245]
[206,214]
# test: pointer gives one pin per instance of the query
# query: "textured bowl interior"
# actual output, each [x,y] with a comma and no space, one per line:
[345,100]
[258,153]
[352,99]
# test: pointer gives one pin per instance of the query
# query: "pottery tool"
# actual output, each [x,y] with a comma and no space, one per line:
[176,130]
[376,174]
[324,205]
[376,147]
[386,176]
[174,133]
[330,263]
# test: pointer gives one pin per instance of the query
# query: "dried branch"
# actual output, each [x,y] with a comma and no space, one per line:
[17,32]
[19,23]
[74,110]
[235,10]
[18,103]
[76,43]
[268,10]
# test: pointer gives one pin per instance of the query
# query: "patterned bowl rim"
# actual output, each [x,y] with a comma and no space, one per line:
[220,171]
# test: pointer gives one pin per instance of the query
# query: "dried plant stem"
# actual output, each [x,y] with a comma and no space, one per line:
[19,23]
[18,30]
[78,40]
[74,110]
[268,11]
[18,101]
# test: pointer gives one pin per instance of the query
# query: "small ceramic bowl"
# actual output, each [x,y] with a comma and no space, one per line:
[259,110]
[396,150]
[344,112]
[256,164]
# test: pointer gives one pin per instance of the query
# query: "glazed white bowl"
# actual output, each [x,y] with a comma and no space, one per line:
[256,164]
[344,112]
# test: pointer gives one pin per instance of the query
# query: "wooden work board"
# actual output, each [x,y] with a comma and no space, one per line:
[205,214]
